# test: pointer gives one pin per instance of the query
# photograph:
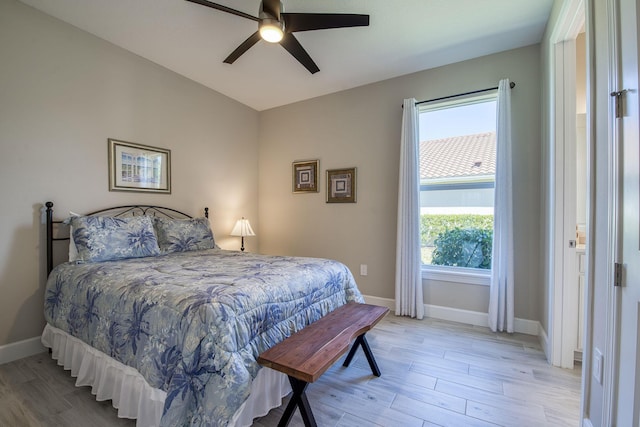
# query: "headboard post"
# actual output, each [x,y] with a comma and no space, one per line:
[49,225]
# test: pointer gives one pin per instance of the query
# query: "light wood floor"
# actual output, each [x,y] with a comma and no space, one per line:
[434,373]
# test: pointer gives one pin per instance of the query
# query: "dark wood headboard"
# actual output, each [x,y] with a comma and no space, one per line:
[116,211]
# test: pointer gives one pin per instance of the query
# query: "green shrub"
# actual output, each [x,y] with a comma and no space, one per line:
[463,247]
[431,226]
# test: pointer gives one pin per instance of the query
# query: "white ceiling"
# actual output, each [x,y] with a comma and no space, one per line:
[404,36]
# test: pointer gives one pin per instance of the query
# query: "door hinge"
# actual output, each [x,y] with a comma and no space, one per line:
[617,273]
[619,106]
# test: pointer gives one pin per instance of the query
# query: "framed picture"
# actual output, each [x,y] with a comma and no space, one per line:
[341,185]
[305,176]
[137,167]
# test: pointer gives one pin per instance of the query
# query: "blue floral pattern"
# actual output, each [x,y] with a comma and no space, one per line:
[193,323]
[101,238]
[181,235]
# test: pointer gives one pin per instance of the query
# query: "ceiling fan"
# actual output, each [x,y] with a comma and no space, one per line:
[277,26]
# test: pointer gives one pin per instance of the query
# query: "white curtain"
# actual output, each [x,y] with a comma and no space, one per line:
[409,300]
[501,293]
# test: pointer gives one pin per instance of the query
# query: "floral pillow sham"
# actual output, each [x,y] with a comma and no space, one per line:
[182,235]
[104,238]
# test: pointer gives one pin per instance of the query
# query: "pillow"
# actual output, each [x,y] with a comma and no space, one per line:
[181,235]
[104,238]
[73,251]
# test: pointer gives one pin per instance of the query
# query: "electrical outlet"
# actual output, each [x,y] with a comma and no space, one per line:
[597,365]
[363,269]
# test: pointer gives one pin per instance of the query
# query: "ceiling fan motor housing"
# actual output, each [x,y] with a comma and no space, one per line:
[274,14]
[271,27]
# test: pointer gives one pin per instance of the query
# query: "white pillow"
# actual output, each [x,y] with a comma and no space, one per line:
[73,250]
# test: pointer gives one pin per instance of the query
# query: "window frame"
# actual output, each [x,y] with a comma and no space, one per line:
[469,276]
[463,275]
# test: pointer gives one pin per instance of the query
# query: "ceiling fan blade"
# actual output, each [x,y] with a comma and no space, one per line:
[320,21]
[253,39]
[272,7]
[224,9]
[293,46]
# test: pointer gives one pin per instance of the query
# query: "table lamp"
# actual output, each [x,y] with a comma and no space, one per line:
[242,229]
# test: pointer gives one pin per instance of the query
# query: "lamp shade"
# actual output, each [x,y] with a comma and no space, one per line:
[242,228]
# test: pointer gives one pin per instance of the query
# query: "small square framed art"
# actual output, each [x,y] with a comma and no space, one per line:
[341,185]
[305,176]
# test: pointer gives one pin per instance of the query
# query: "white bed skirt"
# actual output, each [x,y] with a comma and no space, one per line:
[130,393]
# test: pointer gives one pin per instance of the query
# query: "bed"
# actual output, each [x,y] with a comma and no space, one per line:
[153,315]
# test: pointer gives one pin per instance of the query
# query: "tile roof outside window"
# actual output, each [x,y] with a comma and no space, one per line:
[458,156]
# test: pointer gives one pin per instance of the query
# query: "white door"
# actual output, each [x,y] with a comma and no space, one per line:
[626,401]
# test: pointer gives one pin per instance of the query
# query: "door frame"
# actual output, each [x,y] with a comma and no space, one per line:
[612,232]
[562,330]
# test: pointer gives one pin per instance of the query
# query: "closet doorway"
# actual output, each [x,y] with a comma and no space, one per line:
[569,186]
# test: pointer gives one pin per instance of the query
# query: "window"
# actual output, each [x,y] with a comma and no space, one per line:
[457,179]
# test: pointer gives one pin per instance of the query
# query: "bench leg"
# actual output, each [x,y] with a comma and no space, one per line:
[362,341]
[299,399]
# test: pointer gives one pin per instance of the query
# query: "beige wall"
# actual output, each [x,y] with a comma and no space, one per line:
[361,127]
[62,94]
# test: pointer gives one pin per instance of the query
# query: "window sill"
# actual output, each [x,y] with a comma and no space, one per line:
[459,275]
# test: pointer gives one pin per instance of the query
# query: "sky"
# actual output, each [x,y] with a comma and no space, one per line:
[446,122]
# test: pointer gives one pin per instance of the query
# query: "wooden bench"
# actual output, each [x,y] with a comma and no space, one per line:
[307,354]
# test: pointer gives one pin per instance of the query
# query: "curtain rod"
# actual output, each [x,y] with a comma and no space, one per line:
[511,85]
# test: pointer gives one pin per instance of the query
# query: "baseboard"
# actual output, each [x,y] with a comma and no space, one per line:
[468,317]
[384,302]
[544,342]
[526,326]
[476,318]
[20,350]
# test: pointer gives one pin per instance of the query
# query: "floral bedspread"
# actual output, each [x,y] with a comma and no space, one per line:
[193,323]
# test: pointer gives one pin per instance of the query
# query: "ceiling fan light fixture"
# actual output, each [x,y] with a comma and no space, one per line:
[271,30]
[273,21]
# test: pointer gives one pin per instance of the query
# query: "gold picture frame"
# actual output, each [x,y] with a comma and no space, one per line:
[305,176]
[341,185]
[139,168]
